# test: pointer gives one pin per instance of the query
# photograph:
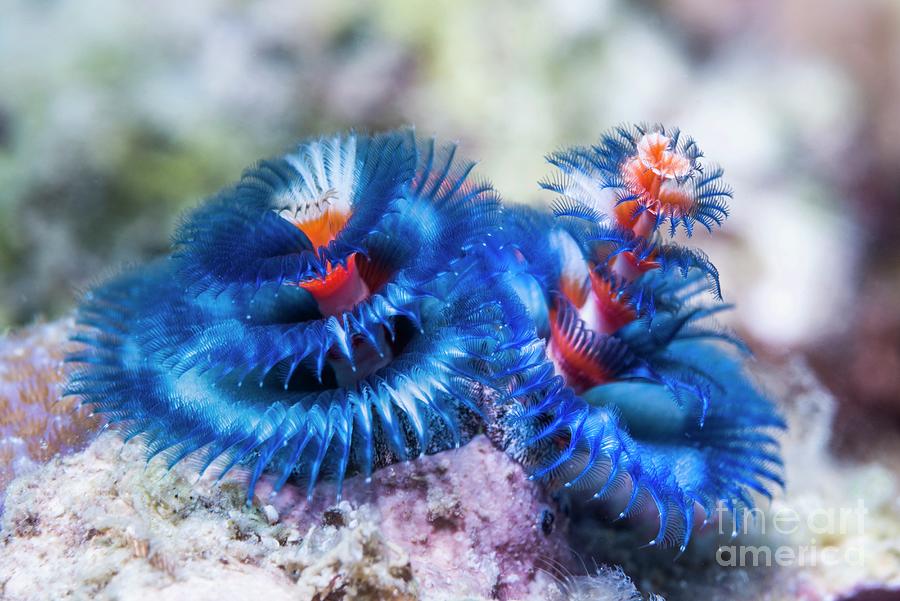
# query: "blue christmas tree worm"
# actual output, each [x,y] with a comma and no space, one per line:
[646,390]
[299,326]
[363,299]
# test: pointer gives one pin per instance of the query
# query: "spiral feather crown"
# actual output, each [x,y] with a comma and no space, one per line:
[364,299]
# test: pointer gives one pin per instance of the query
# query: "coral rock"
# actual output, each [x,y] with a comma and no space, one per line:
[36,423]
[103,524]
[469,520]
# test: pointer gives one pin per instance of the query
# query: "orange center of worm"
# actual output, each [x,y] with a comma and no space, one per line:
[341,288]
[652,176]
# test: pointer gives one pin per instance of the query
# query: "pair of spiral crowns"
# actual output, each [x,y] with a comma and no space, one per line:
[364,300]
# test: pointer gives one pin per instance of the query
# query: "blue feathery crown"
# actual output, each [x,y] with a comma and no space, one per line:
[364,299]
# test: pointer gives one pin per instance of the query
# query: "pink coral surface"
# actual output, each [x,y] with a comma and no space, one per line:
[469,519]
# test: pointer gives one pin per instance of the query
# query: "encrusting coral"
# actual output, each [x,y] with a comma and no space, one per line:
[103,524]
[36,422]
[99,524]
[362,300]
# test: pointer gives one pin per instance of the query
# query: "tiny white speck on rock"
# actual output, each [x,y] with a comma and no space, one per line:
[271,514]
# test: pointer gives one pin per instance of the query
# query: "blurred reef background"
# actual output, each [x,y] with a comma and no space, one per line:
[114,117]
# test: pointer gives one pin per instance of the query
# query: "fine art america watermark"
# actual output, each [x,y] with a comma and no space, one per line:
[809,534]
